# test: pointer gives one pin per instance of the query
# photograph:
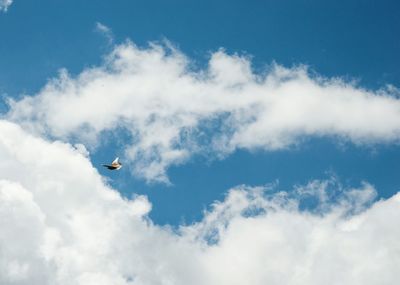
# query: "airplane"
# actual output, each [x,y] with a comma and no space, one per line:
[115,165]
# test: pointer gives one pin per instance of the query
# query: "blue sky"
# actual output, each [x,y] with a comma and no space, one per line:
[259,142]
[336,38]
[349,39]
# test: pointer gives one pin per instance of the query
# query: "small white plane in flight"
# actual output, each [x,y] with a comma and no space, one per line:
[115,165]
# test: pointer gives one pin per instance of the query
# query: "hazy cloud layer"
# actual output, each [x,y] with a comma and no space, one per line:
[61,224]
[172,110]
[4,4]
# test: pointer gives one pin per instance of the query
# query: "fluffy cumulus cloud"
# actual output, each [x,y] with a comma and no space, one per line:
[61,224]
[4,4]
[170,109]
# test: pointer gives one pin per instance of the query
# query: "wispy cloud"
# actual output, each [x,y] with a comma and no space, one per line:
[60,224]
[106,31]
[173,111]
[4,4]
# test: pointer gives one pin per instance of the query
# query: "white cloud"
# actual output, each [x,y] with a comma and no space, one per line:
[62,225]
[4,4]
[172,111]
[106,31]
